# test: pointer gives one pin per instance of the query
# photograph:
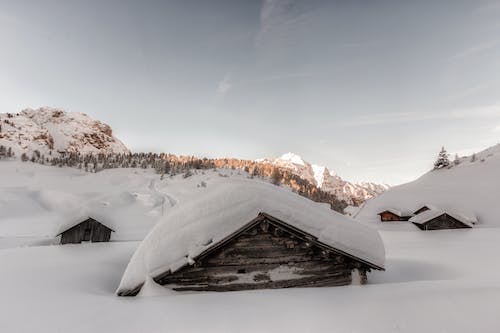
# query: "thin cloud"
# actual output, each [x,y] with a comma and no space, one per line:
[488,111]
[475,50]
[225,85]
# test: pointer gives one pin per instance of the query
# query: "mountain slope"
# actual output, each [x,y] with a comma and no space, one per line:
[472,187]
[352,193]
[53,131]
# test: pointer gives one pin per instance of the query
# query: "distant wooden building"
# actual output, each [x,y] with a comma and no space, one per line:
[394,215]
[435,219]
[265,253]
[88,230]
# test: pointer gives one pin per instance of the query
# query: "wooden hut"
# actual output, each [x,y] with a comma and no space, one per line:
[87,230]
[252,235]
[436,219]
[253,256]
[394,215]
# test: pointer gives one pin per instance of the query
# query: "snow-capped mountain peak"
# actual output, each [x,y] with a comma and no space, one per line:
[330,182]
[292,158]
[53,131]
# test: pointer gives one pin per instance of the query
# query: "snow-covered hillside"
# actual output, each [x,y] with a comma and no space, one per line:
[450,278]
[352,193]
[54,130]
[471,187]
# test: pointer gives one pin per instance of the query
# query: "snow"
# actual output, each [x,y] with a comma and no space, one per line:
[434,212]
[41,201]
[435,281]
[398,212]
[470,189]
[228,204]
[292,158]
[319,174]
[49,129]
[351,193]
[452,279]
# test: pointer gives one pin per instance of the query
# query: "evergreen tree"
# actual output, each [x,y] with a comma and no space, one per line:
[442,161]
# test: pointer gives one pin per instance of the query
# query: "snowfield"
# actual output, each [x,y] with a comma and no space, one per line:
[435,281]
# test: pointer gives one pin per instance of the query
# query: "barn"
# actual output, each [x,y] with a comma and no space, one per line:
[394,215]
[85,230]
[437,219]
[248,234]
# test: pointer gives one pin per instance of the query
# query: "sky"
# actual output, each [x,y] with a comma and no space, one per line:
[370,89]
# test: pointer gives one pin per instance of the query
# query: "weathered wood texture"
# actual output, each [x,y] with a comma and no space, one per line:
[265,256]
[89,230]
[444,221]
[391,217]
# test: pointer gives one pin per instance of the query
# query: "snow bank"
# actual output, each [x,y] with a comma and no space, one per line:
[227,205]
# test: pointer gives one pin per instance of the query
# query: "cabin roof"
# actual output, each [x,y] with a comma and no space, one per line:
[76,219]
[429,206]
[431,214]
[398,212]
[224,208]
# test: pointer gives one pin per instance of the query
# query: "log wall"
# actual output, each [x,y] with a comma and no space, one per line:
[265,257]
[444,221]
[88,231]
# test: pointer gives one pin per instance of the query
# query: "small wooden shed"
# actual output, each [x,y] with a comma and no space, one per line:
[87,230]
[436,219]
[394,215]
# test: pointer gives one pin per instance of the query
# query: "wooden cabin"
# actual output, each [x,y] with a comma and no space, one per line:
[437,220]
[266,253]
[88,230]
[393,215]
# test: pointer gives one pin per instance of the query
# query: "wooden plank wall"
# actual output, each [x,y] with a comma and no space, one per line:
[265,257]
[76,234]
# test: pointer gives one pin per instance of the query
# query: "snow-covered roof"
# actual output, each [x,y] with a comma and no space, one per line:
[229,204]
[432,213]
[398,212]
[71,220]
[429,206]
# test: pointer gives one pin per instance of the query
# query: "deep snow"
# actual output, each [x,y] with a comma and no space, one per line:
[471,189]
[435,282]
[228,203]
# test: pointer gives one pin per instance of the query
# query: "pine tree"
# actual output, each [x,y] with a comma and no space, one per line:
[456,161]
[442,161]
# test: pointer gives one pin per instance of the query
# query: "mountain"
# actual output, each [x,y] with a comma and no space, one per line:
[52,131]
[352,193]
[470,185]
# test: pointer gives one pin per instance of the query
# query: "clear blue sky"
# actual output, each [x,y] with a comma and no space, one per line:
[371,89]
